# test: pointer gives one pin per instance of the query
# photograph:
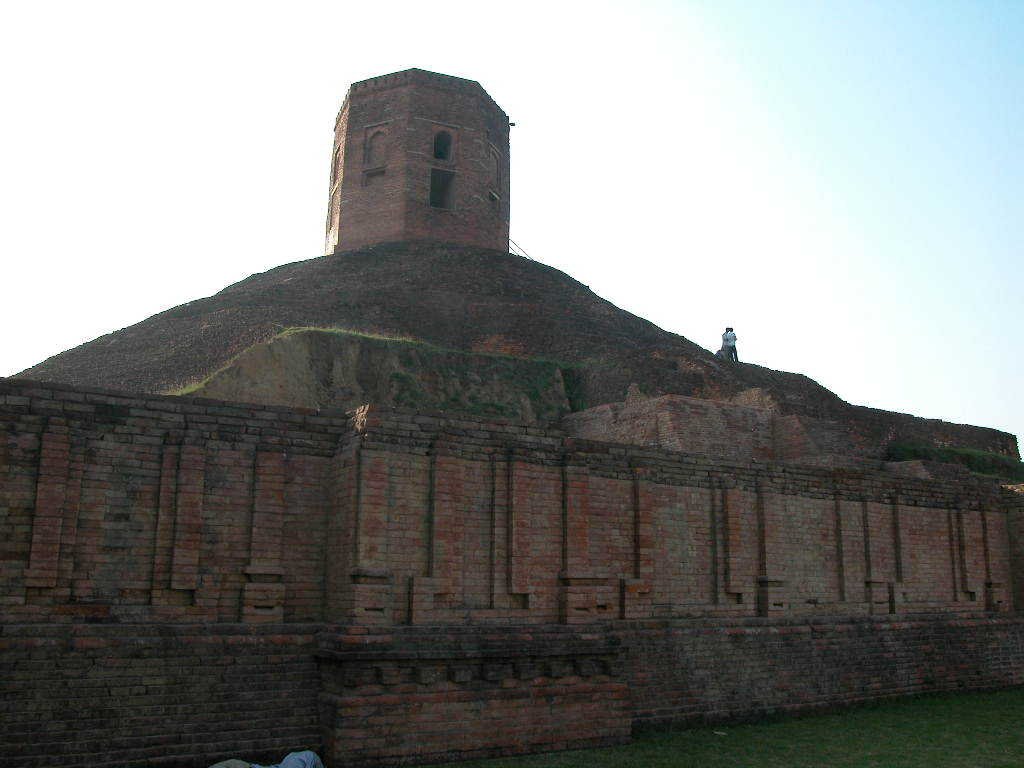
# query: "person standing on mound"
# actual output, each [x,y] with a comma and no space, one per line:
[729,345]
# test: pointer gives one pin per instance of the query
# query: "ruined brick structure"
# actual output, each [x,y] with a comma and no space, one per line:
[419,156]
[186,579]
[734,431]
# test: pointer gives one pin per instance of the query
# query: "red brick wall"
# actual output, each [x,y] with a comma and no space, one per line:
[743,433]
[1014,527]
[491,546]
[677,423]
[156,509]
[427,695]
[178,510]
[709,671]
[155,694]
[584,532]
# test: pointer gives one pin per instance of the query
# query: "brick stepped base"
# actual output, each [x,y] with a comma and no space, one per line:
[189,695]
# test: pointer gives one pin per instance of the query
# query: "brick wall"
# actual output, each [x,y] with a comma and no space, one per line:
[445,693]
[384,155]
[158,509]
[871,427]
[687,424]
[155,694]
[142,509]
[759,432]
[1015,529]
[708,671]
[188,695]
[721,430]
[455,569]
[531,527]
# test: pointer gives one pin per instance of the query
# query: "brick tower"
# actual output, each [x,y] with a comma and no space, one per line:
[419,156]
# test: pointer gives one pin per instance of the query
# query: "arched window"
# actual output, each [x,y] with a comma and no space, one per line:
[442,146]
[376,149]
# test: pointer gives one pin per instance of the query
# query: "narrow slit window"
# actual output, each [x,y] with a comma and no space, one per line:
[442,187]
[376,149]
[443,146]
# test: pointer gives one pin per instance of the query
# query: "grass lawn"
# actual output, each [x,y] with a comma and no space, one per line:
[977,730]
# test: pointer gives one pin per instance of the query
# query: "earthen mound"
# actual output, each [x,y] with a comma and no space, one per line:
[474,300]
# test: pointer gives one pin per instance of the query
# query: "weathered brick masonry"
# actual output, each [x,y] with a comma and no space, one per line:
[195,579]
[729,430]
[155,693]
[419,156]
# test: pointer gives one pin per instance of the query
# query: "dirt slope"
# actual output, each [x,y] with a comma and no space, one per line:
[468,299]
[324,369]
[460,298]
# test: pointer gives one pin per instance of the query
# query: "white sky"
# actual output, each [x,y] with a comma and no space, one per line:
[841,182]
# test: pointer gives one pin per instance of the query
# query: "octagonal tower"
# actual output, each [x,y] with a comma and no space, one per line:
[419,156]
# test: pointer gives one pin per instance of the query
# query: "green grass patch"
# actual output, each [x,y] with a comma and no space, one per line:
[291,331]
[982,462]
[187,389]
[976,730]
[192,387]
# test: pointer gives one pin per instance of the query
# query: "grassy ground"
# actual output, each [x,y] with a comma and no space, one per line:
[942,731]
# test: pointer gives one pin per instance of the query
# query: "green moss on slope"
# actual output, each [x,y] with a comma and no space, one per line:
[982,462]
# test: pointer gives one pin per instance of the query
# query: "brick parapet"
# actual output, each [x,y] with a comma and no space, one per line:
[25,403]
[419,77]
[396,430]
